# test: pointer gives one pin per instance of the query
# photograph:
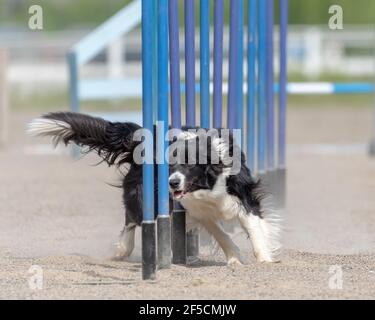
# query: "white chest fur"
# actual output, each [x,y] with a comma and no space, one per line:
[215,204]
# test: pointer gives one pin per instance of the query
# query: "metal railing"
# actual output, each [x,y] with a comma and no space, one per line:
[90,89]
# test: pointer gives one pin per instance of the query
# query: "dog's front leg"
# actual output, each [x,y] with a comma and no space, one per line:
[231,251]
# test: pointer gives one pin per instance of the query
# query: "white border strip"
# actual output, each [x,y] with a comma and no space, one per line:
[311,88]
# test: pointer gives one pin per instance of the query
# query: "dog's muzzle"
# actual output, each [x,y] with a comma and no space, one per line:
[176,185]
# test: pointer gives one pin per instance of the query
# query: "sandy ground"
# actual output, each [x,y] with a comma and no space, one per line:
[63,216]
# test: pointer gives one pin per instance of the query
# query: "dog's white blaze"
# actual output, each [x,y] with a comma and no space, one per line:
[49,127]
[180,176]
[221,147]
[187,135]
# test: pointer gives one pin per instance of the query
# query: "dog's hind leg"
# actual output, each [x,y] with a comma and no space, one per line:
[125,245]
[263,233]
[230,249]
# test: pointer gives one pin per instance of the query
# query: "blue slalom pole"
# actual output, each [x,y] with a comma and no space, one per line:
[270,87]
[239,66]
[192,240]
[251,83]
[190,62]
[163,224]
[148,224]
[179,216]
[218,63]
[262,110]
[205,63]
[233,66]
[283,83]
[281,159]
[174,57]
[155,59]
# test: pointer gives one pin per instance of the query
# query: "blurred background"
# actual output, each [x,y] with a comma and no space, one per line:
[37,67]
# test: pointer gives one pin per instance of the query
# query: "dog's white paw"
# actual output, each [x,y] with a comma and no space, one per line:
[122,252]
[234,263]
[262,258]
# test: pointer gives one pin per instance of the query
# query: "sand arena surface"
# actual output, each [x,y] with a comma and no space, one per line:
[63,216]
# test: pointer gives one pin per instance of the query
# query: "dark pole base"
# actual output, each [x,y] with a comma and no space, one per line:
[372,148]
[148,251]
[178,235]
[164,242]
[192,245]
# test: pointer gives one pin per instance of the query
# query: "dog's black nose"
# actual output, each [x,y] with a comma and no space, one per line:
[174,183]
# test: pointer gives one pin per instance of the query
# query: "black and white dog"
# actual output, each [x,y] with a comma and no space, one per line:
[208,190]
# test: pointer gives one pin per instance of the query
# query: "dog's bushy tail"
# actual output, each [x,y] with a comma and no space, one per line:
[112,141]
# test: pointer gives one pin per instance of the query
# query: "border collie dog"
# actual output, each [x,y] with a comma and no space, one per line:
[209,190]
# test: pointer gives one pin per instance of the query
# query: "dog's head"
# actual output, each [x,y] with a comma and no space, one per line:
[196,163]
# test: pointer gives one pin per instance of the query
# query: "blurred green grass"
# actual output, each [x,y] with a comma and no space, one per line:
[329,77]
[71,14]
[58,100]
